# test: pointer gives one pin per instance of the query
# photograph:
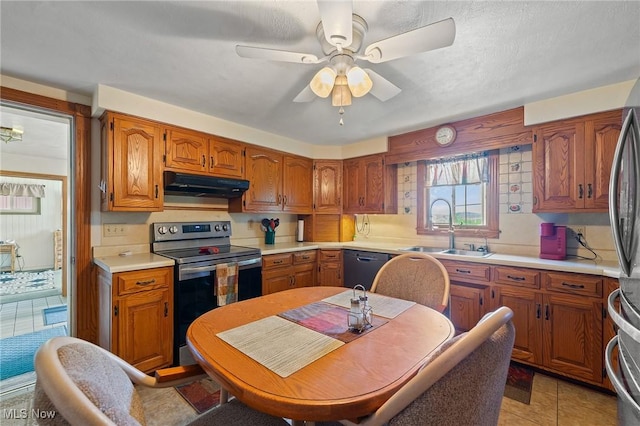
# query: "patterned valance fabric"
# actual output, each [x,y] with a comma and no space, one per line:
[459,170]
[22,190]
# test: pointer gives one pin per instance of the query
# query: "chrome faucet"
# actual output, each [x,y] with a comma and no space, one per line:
[451,230]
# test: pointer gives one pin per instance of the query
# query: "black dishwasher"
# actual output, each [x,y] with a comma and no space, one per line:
[361,267]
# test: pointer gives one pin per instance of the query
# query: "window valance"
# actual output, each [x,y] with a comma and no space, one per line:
[459,170]
[22,190]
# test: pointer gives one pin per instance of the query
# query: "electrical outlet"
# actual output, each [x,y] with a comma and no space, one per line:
[579,230]
[114,230]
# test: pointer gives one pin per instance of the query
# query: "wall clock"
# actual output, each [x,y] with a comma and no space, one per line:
[445,135]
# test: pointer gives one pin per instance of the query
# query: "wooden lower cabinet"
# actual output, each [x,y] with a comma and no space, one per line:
[330,268]
[288,270]
[558,316]
[467,305]
[135,313]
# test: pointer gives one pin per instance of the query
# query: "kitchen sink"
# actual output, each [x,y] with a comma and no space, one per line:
[425,249]
[466,253]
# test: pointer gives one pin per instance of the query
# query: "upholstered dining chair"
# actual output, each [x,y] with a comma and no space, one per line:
[461,384]
[87,385]
[418,277]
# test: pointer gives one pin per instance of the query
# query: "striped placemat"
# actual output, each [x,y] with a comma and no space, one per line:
[384,306]
[282,346]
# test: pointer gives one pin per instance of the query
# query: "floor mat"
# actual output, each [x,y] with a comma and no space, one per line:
[55,314]
[203,394]
[519,383]
[19,286]
[16,353]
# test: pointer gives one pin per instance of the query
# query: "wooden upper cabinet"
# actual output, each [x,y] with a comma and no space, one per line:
[199,153]
[186,150]
[297,185]
[572,161]
[131,164]
[225,157]
[363,187]
[279,183]
[327,186]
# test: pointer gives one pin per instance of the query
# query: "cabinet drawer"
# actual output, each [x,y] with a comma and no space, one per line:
[516,276]
[277,260]
[330,255]
[307,256]
[467,271]
[143,280]
[586,285]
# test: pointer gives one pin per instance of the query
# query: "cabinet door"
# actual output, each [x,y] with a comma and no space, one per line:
[297,185]
[264,171]
[304,275]
[327,190]
[352,187]
[601,139]
[559,167]
[573,336]
[186,150]
[144,324]
[373,181]
[225,157]
[527,310]
[276,280]
[466,306]
[330,274]
[137,170]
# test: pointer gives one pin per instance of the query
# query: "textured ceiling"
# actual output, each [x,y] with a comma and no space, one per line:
[505,54]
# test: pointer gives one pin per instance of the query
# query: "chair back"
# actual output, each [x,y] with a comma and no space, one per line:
[418,277]
[85,384]
[462,384]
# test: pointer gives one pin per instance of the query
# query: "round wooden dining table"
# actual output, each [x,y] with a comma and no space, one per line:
[347,383]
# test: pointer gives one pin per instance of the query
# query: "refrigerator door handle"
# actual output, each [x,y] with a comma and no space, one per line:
[613,376]
[618,319]
[628,131]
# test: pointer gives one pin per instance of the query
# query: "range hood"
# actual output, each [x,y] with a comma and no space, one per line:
[185,184]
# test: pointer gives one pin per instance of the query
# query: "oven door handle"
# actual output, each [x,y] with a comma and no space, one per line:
[210,268]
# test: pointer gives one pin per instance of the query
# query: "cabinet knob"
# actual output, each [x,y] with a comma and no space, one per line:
[580,191]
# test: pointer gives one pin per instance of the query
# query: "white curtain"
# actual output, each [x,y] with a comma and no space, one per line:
[460,170]
[22,190]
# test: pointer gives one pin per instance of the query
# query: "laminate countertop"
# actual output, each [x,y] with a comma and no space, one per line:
[137,261]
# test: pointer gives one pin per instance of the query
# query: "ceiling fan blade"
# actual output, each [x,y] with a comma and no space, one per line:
[382,88]
[276,55]
[306,95]
[430,37]
[337,21]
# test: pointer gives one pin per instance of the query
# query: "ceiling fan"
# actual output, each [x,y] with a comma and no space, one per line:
[340,33]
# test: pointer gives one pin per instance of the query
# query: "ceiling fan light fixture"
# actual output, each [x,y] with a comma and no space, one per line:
[322,83]
[10,134]
[341,95]
[359,82]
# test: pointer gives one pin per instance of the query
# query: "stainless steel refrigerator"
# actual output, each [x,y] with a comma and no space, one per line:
[624,212]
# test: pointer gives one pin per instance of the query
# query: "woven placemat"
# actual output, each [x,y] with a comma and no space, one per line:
[282,346]
[384,306]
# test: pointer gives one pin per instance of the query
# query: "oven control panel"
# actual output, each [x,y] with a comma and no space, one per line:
[172,231]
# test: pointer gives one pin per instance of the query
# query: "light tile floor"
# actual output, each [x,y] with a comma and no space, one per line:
[560,403]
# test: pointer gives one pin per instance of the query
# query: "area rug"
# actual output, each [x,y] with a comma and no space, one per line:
[202,395]
[19,286]
[55,314]
[16,353]
[519,383]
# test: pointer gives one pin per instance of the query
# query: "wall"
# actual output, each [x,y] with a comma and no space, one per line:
[518,224]
[34,233]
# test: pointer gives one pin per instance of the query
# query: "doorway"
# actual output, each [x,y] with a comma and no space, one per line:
[35,274]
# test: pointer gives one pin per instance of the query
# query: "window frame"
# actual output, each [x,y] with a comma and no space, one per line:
[491,230]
